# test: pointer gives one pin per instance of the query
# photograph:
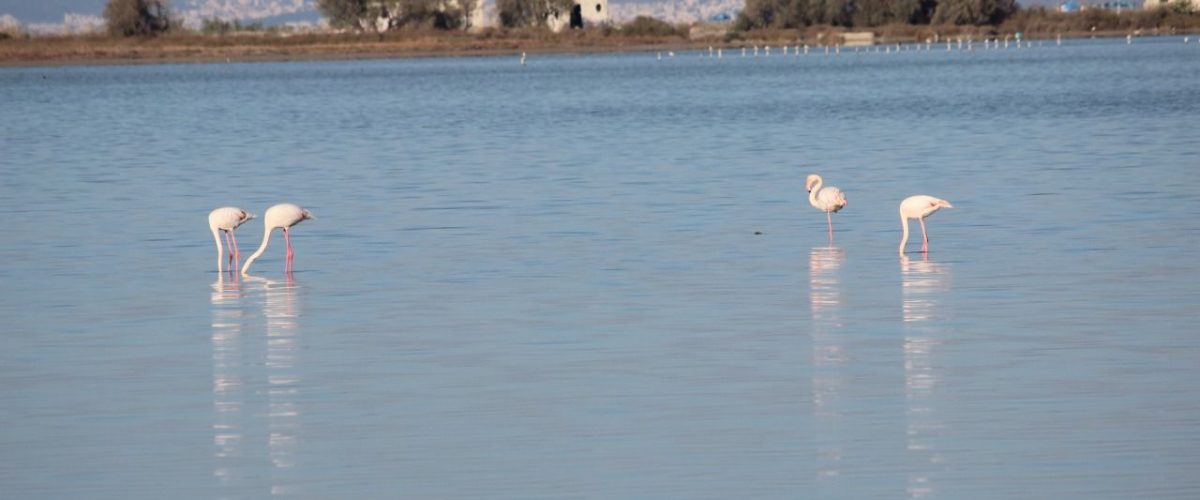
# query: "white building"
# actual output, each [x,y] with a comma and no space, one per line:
[584,13]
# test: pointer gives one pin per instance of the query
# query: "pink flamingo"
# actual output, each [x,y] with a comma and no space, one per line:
[282,216]
[828,200]
[227,219]
[919,207]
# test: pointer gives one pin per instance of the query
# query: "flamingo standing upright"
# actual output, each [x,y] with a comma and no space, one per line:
[227,219]
[828,200]
[282,216]
[919,207]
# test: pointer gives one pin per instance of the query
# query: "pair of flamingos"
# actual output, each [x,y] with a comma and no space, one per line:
[831,199]
[227,219]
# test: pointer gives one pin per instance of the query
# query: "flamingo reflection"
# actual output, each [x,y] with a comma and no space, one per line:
[828,353]
[237,357]
[923,285]
[281,310]
[228,317]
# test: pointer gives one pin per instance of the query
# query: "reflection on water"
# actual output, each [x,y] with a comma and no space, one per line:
[923,285]
[828,353]
[237,355]
[227,319]
[924,282]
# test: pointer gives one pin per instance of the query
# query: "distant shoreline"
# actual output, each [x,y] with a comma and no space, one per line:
[101,50]
[89,50]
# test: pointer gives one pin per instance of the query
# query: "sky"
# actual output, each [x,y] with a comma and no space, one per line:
[78,15]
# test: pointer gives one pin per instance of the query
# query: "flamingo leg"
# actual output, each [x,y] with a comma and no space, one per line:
[237,254]
[229,244]
[287,265]
[924,237]
[829,218]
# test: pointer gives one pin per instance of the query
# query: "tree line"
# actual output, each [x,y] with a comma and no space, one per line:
[791,14]
[149,17]
[361,14]
[441,14]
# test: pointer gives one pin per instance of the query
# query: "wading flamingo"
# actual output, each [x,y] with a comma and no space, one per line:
[828,200]
[283,216]
[227,219]
[919,207]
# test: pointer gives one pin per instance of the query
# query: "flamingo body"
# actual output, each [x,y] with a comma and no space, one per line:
[227,219]
[919,207]
[826,199]
[282,216]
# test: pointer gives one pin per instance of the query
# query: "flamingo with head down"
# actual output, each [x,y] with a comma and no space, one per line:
[281,216]
[919,207]
[227,219]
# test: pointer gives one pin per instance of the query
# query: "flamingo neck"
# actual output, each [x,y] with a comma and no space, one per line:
[261,248]
[812,193]
[904,233]
[220,251]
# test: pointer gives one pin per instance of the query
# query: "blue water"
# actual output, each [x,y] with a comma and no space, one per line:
[599,277]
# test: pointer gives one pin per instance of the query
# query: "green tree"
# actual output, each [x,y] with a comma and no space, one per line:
[464,10]
[358,14]
[976,12]
[137,17]
[343,13]
[881,12]
[758,14]
[648,26]
[795,13]
[924,12]
[440,14]
[218,26]
[1182,7]
[527,13]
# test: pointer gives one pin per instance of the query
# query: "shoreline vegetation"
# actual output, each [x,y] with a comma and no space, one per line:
[275,45]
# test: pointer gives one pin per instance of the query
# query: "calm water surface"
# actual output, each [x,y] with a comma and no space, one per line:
[547,282]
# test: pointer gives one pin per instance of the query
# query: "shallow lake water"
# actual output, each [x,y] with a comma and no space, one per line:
[599,277]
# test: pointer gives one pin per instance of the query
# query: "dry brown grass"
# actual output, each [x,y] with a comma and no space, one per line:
[93,49]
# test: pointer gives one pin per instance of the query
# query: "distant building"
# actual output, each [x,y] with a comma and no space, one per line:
[583,14]
[708,31]
[858,39]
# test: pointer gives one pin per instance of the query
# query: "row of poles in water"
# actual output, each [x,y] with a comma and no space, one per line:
[967,44]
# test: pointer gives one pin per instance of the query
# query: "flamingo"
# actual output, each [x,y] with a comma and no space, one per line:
[919,207]
[282,216]
[827,200]
[227,219]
